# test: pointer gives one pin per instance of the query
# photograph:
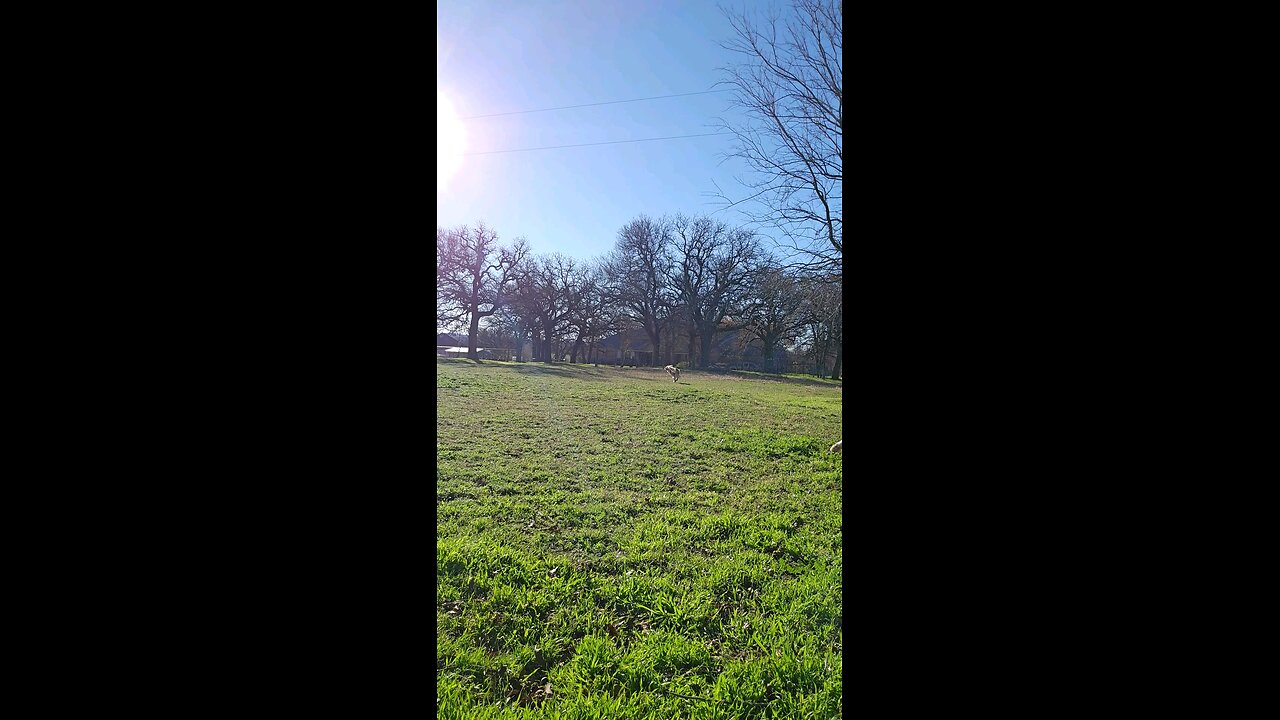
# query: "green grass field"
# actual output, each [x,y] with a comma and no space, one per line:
[610,544]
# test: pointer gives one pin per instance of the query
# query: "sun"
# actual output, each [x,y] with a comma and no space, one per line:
[451,141]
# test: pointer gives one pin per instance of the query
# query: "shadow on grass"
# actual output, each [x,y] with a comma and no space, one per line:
[577,372]
[766,377]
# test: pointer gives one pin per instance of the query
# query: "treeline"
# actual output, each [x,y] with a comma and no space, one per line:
[680,280]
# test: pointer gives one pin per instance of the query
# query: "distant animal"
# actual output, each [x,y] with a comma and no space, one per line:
[674,372]
[836,447]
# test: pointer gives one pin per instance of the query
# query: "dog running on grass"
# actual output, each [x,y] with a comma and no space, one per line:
[674,372]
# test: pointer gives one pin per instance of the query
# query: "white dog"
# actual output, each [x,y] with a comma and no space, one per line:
[836,447]
[674,372]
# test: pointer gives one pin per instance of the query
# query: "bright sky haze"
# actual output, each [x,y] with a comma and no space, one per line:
[505,56]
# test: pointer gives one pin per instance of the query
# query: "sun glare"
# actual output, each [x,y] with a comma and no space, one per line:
[451,141]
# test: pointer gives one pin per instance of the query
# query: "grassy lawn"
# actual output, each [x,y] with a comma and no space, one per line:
[610,544]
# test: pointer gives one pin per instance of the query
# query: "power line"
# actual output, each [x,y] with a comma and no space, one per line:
[611,142]
[610,102]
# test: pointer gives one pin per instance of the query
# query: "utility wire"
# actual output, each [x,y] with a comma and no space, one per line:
[610,142]
[610,102]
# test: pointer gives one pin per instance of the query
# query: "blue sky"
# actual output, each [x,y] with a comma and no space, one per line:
[496,56]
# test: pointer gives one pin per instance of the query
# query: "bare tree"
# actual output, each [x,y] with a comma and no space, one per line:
[789,84]
[836,325]
[638,269]
[778,310]
[681,318]
[481,275]
[449,314]
[505,324]
[825,324]
[545,292]
[522,313]
[559,276]
[589,307]
[711,272]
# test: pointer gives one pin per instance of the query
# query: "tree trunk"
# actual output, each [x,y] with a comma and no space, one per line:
[692,341]
[471,336]
[577,346]
[837,337]
[656,337]
[707,335]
